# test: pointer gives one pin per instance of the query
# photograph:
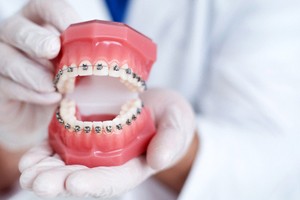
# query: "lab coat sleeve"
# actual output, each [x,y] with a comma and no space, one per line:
[249,122]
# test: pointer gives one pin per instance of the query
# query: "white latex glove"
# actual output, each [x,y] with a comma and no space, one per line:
[27,40]
[48,176]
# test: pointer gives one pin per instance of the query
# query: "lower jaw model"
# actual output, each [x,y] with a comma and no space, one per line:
[101,69]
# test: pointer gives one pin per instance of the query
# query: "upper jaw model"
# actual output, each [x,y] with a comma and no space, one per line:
[101,68]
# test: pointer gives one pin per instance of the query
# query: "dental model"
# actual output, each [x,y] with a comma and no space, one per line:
[101,69]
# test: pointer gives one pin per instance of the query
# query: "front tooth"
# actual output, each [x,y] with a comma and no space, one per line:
[108,127]
[70,85]
[114,70]
[98,126]
[123,73]
[87,127]
[100,68]
[85,68]
[63,111]
[72,71]
[61,82]
[78,125]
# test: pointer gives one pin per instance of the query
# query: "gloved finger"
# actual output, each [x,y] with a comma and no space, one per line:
[169,141]
[175,123]
[24,71]
[55,12]
[35,155]
[29,175]
[11,90]
[29,37]
[107,182]
[51,183]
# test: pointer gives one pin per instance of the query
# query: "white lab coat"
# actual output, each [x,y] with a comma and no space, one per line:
[237,62]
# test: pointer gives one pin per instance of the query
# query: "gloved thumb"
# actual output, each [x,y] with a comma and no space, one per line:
[168,145]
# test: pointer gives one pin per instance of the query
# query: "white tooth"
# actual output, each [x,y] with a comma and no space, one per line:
[71,103]
[132,111]
[135,82]
[64,103]
[72,71]
[117,123]
[72,110]
[108,127]
[123,73]
[130,78]
[114,70]
[85,68]
[140,88]
[125,107]
[138,103]
[100,68]
[123,119]
[69,85]
[78,124]
[61,83]
[87,127]
[70,119]
[98,127]
[63,111]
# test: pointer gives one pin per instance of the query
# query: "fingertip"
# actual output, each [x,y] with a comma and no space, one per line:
[50,46]
[73,184]
[158,158]
[26,178]
[165,147]
[48,98]
[34,156]
[44,187]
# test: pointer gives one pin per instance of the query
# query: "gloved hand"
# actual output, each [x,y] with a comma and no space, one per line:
[27,40]
[48,176]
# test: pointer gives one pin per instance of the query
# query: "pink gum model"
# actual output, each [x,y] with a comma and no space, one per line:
[115,61]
